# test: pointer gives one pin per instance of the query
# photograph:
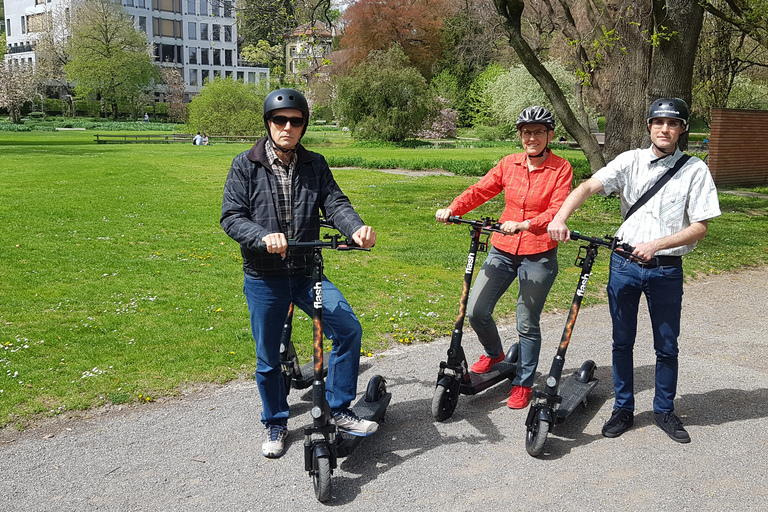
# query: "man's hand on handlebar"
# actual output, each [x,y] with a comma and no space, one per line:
[276,243]
[365,237]
[558,231]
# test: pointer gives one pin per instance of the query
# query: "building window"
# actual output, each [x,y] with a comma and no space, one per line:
[204,7]
[262,77]
[142,4]
[193,55]
[192,30]
[129,3]
[191,6]
[205,76]
[193,77]
[228,33]
[167,5]
[251,77]
[215,8]
[23,24]
[7,27]
[228,74]
[241,75]
[227,57]
[167,28]
[143,24]
[204,31]
[204,56]
[216,32]
[227,8]
[216,57]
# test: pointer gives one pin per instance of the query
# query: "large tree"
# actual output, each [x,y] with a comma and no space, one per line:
[271,20]
[414,25]
[108,56]
[647,51]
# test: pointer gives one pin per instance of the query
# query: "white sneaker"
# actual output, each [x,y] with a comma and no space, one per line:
[350,423]
[274,446]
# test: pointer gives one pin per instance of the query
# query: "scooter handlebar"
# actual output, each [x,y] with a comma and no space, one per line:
[330,242]
[486,224]
[613,243]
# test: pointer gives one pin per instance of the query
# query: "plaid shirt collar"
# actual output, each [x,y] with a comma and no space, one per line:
[283,175]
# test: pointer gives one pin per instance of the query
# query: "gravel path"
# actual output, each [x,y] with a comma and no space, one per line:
[201,451]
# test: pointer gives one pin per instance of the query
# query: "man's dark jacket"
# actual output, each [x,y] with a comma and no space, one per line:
[249,209]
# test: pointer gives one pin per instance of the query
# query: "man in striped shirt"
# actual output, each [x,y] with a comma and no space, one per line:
[535,183]
[662,230]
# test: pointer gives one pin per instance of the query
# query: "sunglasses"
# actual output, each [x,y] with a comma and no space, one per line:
[281,121]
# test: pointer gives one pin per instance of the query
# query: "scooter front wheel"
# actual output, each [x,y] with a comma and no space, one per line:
[444,401]
[321,476]
[536,437]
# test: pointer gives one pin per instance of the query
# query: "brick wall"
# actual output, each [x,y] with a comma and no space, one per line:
[738,147]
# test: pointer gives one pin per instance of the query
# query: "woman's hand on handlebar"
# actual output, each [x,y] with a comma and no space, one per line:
[443,214]
[511,227]
[558,231]
[276,243]
[365,237]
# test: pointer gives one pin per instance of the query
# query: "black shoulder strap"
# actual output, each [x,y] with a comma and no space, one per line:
[656,186]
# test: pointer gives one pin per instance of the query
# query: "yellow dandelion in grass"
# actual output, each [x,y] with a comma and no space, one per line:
[370,354]
[232,352]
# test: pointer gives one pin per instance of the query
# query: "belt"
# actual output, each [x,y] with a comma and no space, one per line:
[661,261]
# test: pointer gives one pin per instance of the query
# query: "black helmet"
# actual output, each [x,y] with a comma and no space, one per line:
[285,98]
[672,108]
[536,115]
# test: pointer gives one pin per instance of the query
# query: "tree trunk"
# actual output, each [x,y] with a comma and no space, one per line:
[625,123]
[673,59]
[512,11]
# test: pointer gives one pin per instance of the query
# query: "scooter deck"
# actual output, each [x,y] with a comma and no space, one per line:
[307,375]
[573,393]
[482,381]
[371,411]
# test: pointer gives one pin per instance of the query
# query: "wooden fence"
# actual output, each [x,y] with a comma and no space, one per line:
[738,147]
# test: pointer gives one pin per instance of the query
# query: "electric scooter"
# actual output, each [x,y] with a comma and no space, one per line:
[560,398]
[323,443]
[454,377]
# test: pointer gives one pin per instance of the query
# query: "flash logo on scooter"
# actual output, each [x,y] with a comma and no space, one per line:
[318,287]
[470,264]
[583,285]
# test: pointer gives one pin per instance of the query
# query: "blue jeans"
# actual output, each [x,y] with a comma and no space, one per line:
[535,273]
[268,301]
[663,289]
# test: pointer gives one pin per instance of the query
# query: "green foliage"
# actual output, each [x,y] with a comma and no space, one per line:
[479,103]
[748,94]
[516,89]
[228,107]
[384,97]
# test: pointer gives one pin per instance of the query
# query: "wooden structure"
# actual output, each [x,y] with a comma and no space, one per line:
[738,147]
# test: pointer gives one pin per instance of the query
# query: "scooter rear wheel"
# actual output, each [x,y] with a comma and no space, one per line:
[321,476]
[444,401]
[536,437]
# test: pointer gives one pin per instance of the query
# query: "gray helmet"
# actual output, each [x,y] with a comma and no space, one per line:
[672,108]
[285,98]
[536,115]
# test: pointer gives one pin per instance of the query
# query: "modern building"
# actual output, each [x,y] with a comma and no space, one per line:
[197,36]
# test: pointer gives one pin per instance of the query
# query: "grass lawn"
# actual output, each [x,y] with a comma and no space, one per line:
[119,286]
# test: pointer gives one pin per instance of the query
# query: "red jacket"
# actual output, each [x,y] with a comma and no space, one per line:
[535,196]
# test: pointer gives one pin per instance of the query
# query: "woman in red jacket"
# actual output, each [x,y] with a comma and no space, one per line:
[535,184]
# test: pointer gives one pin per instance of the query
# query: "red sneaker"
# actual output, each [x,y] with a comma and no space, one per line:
[483,365]
[519,397]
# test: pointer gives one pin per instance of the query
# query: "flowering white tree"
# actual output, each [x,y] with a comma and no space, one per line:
[17,86]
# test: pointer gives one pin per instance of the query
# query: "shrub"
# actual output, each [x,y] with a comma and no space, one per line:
[227,107]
